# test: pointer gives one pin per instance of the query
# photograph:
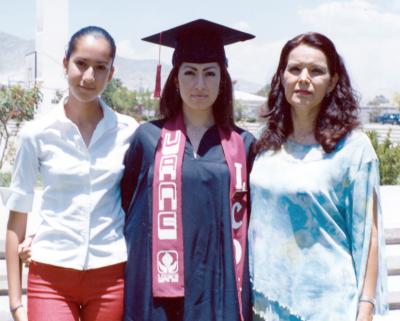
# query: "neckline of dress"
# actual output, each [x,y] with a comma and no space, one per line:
[302,153]
[303,145]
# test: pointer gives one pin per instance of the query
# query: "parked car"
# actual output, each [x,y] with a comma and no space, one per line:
[388,118]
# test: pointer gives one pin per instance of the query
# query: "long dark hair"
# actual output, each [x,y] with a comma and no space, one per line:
[338,113]
[171,101]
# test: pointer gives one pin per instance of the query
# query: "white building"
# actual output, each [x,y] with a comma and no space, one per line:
[52,30]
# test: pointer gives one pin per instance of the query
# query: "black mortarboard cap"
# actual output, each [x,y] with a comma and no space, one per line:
[198,41]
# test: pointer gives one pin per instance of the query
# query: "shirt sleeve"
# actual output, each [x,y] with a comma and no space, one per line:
[132,164]
[19,196]
[364,184]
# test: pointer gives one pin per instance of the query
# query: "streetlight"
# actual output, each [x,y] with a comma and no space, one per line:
[34,52]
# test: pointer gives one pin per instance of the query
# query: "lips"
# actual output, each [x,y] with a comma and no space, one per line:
[303,92]
[87,88]
[199,96]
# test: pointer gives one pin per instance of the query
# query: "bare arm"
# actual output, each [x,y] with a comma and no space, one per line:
[365,312]
[16,229]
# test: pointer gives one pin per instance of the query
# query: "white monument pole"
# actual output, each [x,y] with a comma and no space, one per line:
[52,32]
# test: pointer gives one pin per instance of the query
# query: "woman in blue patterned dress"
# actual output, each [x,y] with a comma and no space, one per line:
[315,235]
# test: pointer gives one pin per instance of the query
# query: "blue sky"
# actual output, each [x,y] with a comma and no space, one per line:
[366,32]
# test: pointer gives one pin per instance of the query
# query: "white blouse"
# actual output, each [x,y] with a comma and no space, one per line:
[82,218]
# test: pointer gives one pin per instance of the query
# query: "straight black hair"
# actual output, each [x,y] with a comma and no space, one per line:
[93,31]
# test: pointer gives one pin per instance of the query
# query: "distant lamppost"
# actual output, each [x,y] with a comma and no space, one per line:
[34,52]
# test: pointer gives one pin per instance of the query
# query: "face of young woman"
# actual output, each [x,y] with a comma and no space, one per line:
[199,85]
[306,78]
[89,68]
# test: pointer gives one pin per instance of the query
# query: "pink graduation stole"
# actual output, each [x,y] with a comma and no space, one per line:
[167,249]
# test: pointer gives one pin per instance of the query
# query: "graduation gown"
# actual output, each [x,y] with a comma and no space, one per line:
[210,289]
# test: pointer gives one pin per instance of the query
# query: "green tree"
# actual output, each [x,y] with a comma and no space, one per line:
[148,106]
[378,101]
[138,104]
[18,104]
[389,158]
[112,86]
[119,97]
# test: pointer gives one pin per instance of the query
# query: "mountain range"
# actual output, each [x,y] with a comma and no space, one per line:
[12,57]
[134,73]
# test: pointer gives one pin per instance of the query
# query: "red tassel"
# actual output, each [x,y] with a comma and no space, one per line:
[157,90]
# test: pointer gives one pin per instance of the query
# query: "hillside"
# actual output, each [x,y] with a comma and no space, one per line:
[12,57]
[135,74]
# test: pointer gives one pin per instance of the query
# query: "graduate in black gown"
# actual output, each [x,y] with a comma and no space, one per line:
[185,190]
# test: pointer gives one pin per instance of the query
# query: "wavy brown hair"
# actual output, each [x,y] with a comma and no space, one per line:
[171,101]
[338,113]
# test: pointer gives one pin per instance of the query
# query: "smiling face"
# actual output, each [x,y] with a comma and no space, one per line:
[89,68]
[199,85]
[306,79]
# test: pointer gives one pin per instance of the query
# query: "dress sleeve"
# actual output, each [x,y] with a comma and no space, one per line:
[363,185]
[19,196]
[132,163]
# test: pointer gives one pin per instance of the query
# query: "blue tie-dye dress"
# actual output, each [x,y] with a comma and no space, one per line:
[310,229]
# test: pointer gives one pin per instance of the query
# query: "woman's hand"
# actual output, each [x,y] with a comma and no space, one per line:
[25,251]
[365,311]
[20,315]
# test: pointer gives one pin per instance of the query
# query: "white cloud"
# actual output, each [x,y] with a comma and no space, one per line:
[357,17]
[367,37]
[126,49]
[253,61]
[396,5]
[242,25]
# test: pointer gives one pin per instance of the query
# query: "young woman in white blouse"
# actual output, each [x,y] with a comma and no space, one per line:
[79,252]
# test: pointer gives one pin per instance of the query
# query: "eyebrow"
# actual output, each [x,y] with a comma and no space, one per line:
[290,64]
[304,63]
[96,61]
[205,69]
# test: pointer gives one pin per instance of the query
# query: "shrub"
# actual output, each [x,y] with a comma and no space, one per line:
[389,158]
[5,179]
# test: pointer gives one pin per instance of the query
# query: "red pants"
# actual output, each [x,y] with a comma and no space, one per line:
[60,294]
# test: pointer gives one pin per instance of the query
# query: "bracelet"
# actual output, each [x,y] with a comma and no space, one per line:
[13,310]
[368,299]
